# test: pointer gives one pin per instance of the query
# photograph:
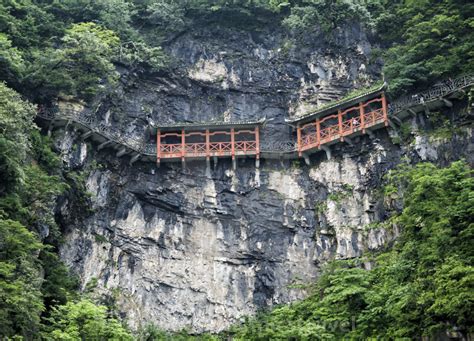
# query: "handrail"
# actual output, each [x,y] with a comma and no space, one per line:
[142,147]
[435,92]
[86,120]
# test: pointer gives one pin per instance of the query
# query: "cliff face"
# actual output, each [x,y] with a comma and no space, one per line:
[179,249]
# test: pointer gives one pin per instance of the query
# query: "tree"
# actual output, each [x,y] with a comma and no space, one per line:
[421,286]
[83,320]
[426,41]
[16,124]
[81,65]
[327,14]
[30,273]
[20,296]
[11,60]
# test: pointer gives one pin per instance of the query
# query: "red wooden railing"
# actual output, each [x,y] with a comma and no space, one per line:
[184,149]
[318,133]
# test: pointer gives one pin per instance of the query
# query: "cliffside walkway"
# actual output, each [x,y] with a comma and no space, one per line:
[212,139]
[315,131]
[340,121]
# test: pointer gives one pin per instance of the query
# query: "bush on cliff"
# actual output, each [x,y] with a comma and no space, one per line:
[421,286]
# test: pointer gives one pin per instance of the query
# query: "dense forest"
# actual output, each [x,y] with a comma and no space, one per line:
[422,284]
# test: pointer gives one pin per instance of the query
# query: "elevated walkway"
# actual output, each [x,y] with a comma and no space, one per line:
[440,95]
[210,139]
[340,121]
[336,122]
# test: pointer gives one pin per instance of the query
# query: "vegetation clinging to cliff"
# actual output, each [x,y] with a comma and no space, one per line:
[75,48]
[72,47]
[34,283]
[423,285]
[426,41]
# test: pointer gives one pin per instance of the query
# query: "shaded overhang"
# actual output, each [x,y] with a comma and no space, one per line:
[212,125]
[334,106]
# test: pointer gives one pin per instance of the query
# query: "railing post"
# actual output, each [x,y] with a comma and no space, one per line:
[208,142]
[298,134]
[318,132]
[183,144]
[339,117]
[232,143]
[384,108]
[208,154]
[257,142]
[362,118]
[158,146]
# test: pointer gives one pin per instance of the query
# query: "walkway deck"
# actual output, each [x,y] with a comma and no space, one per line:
[126,144]
[347,122]
[206,140]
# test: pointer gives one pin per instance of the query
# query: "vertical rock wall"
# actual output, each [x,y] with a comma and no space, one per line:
[178,249]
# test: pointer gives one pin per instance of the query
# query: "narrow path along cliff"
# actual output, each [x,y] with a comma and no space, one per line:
[198,247]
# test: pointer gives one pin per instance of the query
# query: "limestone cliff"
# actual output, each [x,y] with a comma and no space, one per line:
[176,248]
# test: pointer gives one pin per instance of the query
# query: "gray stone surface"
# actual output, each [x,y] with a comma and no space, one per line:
[179,249]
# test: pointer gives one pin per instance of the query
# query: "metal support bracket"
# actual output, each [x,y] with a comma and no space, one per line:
[50,128]
[306,159]
[427,110]
[86,134]
[134,158]
[348,140]
[104,144]
[121,152]
[208,168]
[328,151]
[370,133]
[397,120]
[447,103]
[392,125]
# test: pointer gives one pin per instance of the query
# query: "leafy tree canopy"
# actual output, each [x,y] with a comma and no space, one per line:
[83,320]
[32,278]
[423,285]
[427,41]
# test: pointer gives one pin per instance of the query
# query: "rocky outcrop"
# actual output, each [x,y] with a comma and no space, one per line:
[177,248]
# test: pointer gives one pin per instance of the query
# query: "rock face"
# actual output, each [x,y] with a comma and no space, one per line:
[178,249]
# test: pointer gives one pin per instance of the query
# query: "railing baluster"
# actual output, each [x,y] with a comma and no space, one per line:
[88,121]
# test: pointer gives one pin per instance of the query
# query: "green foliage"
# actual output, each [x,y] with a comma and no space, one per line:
[70,47]
[338,196]
[92,284]
[327,14]
[58,285]
[83,320]
[135,54]
[32,278]
[165,14]
[100,238]
[16,124]
[20,296]
[83,61]
[405,132]
[11,60]
[423,285]
[320,208]
[27,190]
[427,41]
[442,127]
[152,333]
